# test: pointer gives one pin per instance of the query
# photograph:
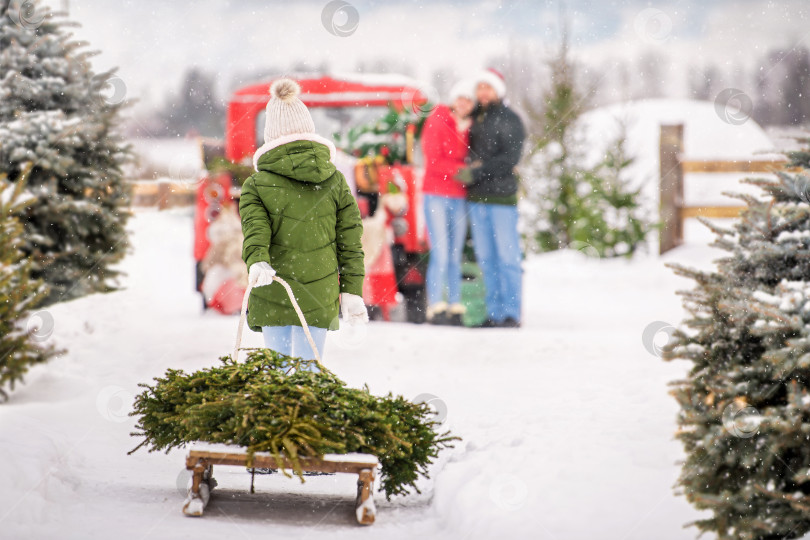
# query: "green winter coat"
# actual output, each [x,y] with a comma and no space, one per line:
[299,216]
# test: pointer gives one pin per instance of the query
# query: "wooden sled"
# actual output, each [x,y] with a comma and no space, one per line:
[201,464]
[202,458]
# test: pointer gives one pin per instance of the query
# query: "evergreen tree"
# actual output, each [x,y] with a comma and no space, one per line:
[745,405]
[197,109]
[569,203]
[57,114]
[20,347]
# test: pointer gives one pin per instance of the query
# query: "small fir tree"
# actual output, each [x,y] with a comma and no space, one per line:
[569,203]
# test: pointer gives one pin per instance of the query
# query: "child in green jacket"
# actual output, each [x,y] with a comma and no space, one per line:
[300,221]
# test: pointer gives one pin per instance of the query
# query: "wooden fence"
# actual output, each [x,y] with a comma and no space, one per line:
[674,167]
[163,194]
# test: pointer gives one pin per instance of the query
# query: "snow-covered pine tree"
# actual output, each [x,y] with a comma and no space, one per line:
[19,295]
[569,203]
[56,113]
[745,405]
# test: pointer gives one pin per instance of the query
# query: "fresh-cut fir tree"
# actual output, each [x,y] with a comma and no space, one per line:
[21,344]
[745,404]
[57,114]
[290,408]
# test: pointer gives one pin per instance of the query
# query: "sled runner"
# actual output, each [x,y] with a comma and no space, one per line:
[203,456]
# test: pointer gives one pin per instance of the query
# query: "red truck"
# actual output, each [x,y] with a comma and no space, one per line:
[336,105]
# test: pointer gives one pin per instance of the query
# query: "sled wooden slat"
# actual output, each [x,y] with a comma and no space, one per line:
[267,461]
[201,462]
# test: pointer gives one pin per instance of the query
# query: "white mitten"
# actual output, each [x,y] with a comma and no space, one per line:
[260,273]
[353,308]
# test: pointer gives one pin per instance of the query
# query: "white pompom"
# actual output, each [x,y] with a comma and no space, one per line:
[285,89]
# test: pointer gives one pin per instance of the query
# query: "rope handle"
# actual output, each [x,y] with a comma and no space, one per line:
[243,316]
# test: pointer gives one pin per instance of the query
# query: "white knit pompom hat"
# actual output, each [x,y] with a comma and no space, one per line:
[463,88]
[286,114]
[287,119]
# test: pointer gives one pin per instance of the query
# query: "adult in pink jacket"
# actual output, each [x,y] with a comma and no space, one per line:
[444,145]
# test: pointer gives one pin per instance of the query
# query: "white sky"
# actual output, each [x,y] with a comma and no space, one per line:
[153,42]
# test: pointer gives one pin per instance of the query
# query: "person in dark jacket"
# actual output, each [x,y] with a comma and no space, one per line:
[496,143]
[299,220]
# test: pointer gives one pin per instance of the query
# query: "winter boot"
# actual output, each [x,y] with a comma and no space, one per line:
[455,315]
[510,322]
[437,313]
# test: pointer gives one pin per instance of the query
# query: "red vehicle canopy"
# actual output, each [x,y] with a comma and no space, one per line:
[356,91]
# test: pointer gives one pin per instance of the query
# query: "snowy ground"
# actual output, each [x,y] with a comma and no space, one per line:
[567,424]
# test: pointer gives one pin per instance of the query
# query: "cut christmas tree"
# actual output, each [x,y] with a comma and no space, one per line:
[276,404]
[56,113]
[745,405]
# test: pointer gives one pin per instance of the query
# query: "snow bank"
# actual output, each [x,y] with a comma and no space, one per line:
[566,423]
[706,136]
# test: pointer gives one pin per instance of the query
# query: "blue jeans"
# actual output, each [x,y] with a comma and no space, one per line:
[447,229]
[292,341]
[498,252]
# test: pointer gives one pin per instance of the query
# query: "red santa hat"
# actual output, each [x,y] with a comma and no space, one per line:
[495,79]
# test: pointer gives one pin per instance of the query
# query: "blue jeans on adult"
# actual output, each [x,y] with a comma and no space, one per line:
[447,229]
[498,252]
[292,341]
